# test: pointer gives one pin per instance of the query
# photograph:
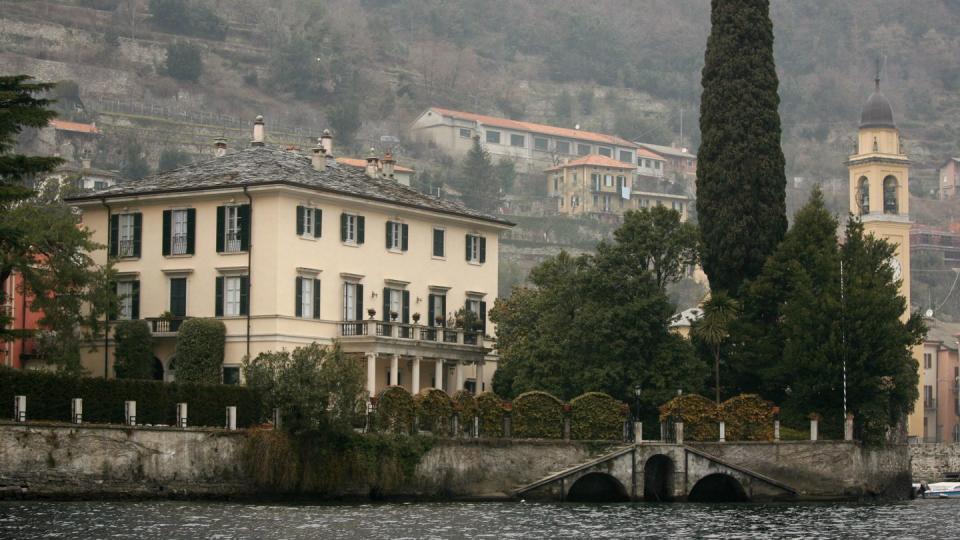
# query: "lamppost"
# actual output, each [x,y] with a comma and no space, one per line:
[637,391]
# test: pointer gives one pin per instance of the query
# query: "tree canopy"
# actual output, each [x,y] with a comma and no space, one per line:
[741,185]
[656,239]
[478,182]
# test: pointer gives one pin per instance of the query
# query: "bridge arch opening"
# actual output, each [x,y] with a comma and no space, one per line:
[718,487]
[597,487]
[658,473]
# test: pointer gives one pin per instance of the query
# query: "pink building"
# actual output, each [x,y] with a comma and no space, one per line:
[941,374]
[16,305]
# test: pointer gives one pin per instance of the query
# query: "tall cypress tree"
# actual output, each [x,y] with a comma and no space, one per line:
[741,200]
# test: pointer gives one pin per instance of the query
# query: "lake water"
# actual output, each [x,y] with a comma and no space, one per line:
[176,520]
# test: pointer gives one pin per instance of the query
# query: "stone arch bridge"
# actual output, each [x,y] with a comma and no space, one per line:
[655,471]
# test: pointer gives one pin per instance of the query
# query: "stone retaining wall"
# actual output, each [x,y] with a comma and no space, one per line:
[930,461]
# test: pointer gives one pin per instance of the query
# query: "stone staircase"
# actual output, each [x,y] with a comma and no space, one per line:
[610,453]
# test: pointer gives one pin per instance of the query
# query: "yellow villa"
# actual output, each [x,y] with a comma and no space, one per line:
[288,249]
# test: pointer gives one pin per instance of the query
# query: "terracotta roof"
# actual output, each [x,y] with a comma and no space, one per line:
[543,129]
[264,166]
[667,150]
[643,152]
[362,163]
[593,160]
[74,126]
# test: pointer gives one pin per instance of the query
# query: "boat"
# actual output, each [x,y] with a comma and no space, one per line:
[942,490]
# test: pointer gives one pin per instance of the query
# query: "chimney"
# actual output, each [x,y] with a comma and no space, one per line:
[257,131]
[326,141]
[372,168]
[220,146]
[388,163]
[319,159]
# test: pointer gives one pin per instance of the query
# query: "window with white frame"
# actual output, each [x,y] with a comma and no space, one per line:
[583,149]
[465,133]
[519,141]
[493,137]
[231,229]
[231,296]
[306,297]
[308,222]
[125,295]
[626,156]
[475,248]
[350,228]
[395,236]
[604,151]
[539,143]
[350,295]
[608,180]
[563,147]
[126,236]
[178,232]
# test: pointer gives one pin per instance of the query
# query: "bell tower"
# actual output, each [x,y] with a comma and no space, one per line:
[879,196]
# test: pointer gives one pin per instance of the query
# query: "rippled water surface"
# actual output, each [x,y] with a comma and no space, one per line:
[176,520]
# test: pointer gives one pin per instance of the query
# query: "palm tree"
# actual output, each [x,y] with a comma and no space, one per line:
[713,328]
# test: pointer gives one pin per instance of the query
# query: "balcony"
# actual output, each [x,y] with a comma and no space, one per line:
[125,248]
[162,327]
[930,403]
[373,336]
[178,244]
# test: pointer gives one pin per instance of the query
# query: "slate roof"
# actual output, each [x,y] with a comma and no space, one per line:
[263,165]
[947,333]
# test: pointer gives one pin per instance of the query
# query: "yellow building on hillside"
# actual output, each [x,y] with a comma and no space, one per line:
[879,195]
[288,249]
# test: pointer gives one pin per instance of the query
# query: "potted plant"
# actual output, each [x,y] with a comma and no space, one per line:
[393,316]
[372,313]
[416,318]
[166,316]
[439,320]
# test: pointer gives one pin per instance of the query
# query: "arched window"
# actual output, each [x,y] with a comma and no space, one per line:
[863,195]
[890,205]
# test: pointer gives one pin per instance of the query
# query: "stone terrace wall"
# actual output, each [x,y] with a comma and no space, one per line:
[931,461]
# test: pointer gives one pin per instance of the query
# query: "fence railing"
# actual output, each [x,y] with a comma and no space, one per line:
[413,332]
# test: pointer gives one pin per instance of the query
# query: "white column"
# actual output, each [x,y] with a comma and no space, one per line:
[480,386]
[438,373]
[459,373]
[372,374]
[415,381]
[394,360]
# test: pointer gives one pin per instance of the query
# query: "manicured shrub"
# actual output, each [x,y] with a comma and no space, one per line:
[490,409]
[395,410]
[434,408]
[699,416]
[596,416]
[134,351]
[48,398]
[200,345]
[748,417]
[537,415]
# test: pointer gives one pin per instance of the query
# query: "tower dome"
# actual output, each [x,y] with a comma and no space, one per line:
[877,112]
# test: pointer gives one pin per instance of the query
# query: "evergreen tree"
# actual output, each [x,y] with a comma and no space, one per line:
[134,350]
[741,199]
[802,322]
[656,239]
[478,183]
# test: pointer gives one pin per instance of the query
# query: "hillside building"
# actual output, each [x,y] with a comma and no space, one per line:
[600,186]
[940,382]
[949,175]
[678,163]
[288,249]
[18,352]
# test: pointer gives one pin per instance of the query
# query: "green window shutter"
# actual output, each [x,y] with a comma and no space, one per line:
[243,221]
[166,232]
[316,299]
[443,306]
[483,249]
[386,304]
[191,230]
[404,237]
[137,233]
[469,239]
[406,307]
[244,295]
[389,234]
[343,227]
[361,222]
[114,234]
[178,297]
[483,316]
[317,223]
[299,220]
[218,311]
[299,294]
[438,242]
[135,300]
[221,226]
[431,306]
[359,306]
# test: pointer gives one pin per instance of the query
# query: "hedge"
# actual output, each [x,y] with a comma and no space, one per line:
[748,417]
[596,416]
[395,410]
[49,394]
[466,406]
[490,409]
[434,409]
[699,416]
[537,415]
[199,353]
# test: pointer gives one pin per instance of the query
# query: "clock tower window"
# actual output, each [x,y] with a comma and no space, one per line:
[890,205]
[863,195]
